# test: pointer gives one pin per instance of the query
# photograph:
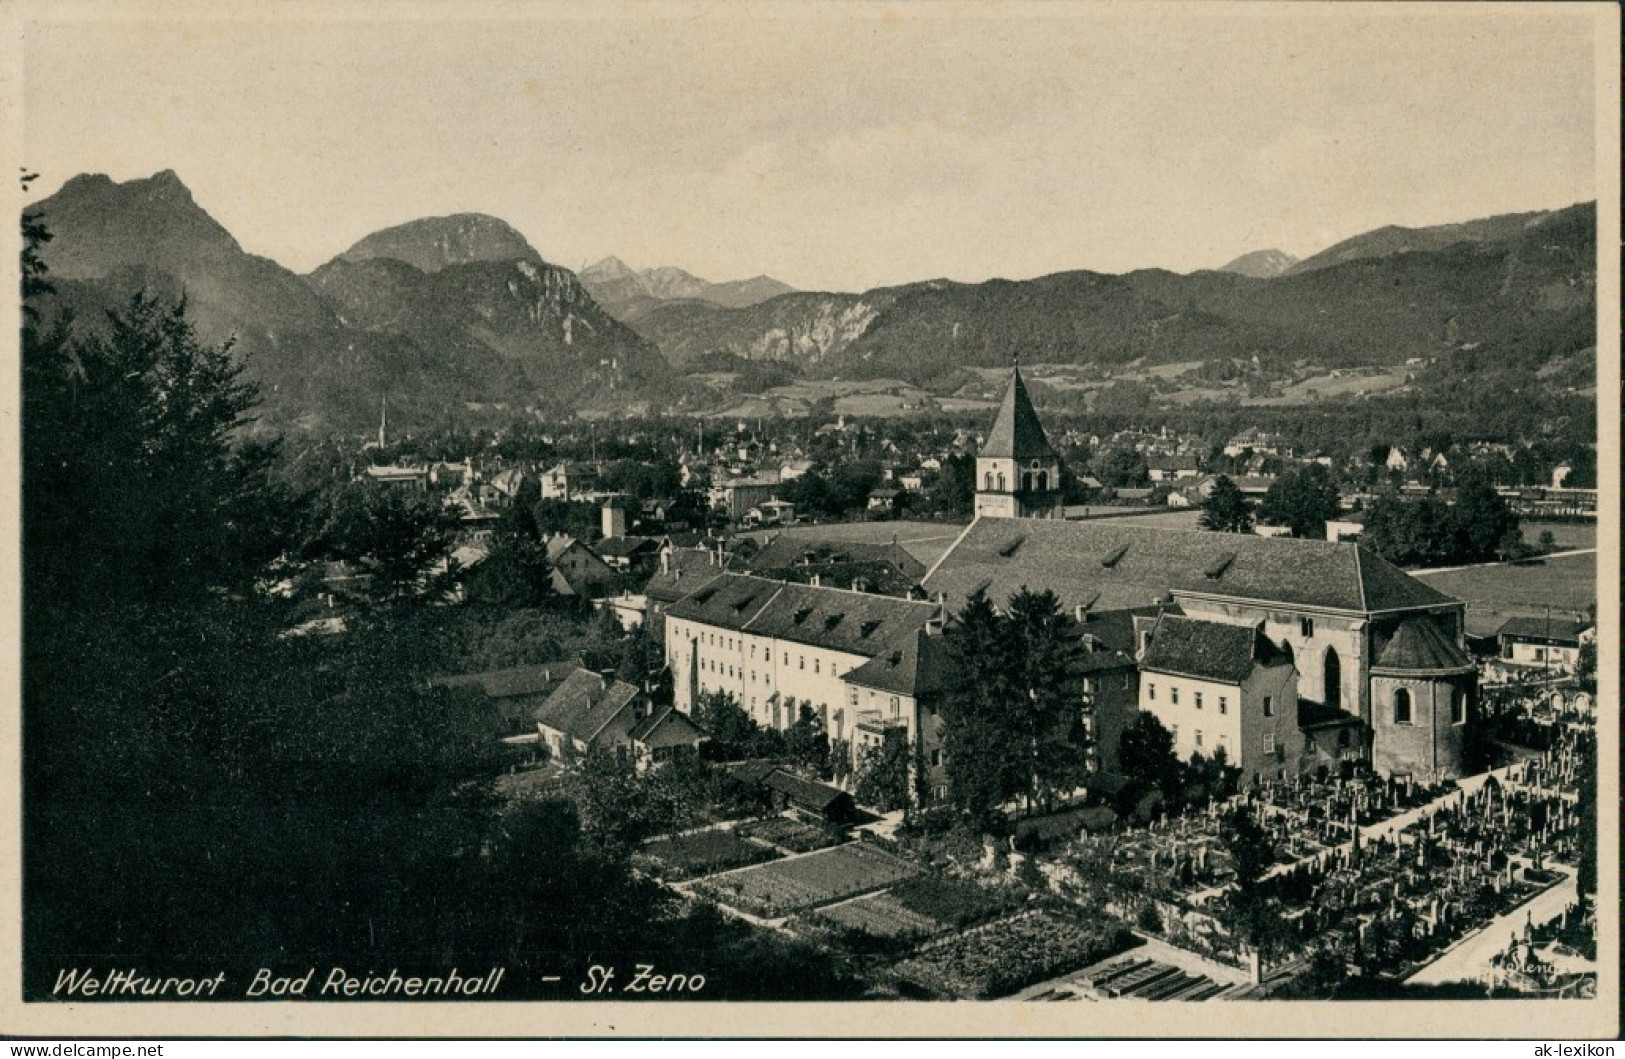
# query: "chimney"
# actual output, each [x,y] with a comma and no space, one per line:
[1080,613]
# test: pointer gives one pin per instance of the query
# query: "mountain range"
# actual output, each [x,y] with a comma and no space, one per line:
[451,316]
[629,293]
[1261,264]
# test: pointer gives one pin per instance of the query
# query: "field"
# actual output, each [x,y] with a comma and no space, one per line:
[805,882]
[1568,534]
[1500,591]
[881,916]
[1007,955]
[796,836]
[705,852]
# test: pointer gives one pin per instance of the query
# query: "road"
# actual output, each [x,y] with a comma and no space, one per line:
[1485,566]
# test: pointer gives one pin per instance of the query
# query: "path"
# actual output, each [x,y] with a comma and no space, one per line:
[1485,566]
[1470,957]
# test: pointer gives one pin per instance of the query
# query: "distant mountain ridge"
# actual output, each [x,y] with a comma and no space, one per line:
[1261,264]
[438,314]
[628,293]
[449,312]
[1390,240]
[1524,292]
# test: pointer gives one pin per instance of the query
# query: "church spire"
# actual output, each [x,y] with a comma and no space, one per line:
[1017,433]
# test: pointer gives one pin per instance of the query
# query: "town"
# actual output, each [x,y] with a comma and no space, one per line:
[985,725]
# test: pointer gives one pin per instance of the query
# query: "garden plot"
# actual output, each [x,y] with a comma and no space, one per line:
[797,836]
[703,853]
[1005,956]
[881,916]
[820,878]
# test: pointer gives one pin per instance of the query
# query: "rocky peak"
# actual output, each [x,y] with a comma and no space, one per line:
[433,243]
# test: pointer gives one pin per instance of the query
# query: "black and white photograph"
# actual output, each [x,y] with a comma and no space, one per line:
[801,519]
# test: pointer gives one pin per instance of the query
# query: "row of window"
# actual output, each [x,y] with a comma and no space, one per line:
[1224,700]
[1403,713]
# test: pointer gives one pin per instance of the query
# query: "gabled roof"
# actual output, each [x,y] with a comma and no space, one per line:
[626,546]
[1208,650]
[1117,565]
[1017,432]
[795,549]
[1561,631]
[666,728]
[727,601]
[685,570]
[852,622]
[916,666]
[507,683]
[1420,646]
[584,704]
[805,793]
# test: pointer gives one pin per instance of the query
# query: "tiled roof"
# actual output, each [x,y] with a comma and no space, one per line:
[805,793]
[667,727]
[853,622]
[835,619]
[1554,630]
[727,601]
[505,683]
[1114,565]
[788,549]
[1016,432]
[1318,715]
[916,665]
[584,704]
[1208,650]
[623,546]
[686,569]
[1418,645]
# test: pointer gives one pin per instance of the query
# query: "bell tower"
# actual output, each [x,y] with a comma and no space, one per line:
[1018,472]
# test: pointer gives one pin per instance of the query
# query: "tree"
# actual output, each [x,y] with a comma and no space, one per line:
[983,750]
[397,534]
[1548,541]
[1302,500]
[1225,510]
[1484,526]
[883,773]
[1011,724]
[807,743]
[1145,752]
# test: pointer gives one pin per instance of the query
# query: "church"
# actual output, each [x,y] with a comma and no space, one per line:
[1290,654]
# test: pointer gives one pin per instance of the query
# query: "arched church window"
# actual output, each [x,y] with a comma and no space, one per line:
[989,480]
[1043,481]
[1332,679]
[1402,706]
[1458,706]
[1001,481]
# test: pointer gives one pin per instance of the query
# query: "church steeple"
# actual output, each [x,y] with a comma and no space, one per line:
[1018,472]
[1017,432]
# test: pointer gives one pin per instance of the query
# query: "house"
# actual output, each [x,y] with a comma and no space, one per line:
[416,478]
[1552,643]
[681,571]
[777,647]
[772,513]
[513,695]
[586,712]
[887,569]
[883,498]
[1173,468]
[900,692]
[568,481]
[1218,686]
[1109,679]
[790,470]
[783,790]
[1349,527]
[507,485]
[577,569]
[736,496]
[629,555]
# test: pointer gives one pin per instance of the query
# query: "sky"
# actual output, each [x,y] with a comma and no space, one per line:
[833,147]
